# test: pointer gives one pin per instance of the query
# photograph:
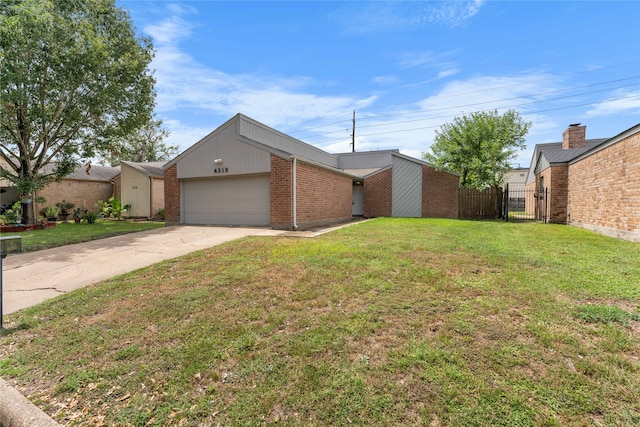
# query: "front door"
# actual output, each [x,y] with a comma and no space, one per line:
[358,200]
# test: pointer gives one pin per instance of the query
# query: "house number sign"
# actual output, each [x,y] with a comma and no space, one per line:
[220,170]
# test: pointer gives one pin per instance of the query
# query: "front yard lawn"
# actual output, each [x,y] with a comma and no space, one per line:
[68,233]
[388,322]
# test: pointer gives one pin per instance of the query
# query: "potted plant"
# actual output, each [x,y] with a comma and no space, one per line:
[64,207]
[51,213]
[77,214]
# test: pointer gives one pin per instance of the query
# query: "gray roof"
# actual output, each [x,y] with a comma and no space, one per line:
[148,168]
[92,173]
[555,154]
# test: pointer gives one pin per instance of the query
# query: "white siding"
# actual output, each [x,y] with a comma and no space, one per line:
[406,188]
[240,200]
[135,191]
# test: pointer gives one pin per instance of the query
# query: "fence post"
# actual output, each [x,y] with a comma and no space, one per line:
[505,196]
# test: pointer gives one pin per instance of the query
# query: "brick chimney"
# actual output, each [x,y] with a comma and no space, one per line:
[574,136]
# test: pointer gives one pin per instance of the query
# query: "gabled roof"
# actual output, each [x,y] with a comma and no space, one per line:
[553,154]
[256,134]
[152,169]
[262,136]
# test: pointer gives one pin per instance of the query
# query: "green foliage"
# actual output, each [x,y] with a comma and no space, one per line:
[51,212]
[112,208]
[160,214]
[103,208]
[78,213]
[142,145]
[90,217]
[12,215]
[65,206]
[479,147]
[602,313]
[73,75]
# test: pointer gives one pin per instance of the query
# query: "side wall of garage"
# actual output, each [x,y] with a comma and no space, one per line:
[281,193]
[171,196]
[322,196]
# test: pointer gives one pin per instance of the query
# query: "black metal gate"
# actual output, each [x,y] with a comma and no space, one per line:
[520,205]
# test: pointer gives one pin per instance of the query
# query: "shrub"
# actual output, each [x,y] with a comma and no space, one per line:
[12,215]
[160,214]
[90,217]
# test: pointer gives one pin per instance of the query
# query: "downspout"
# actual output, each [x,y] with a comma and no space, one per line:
[294,185]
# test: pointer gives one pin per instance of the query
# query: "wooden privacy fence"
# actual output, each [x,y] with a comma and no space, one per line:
[480,204]
[509,205]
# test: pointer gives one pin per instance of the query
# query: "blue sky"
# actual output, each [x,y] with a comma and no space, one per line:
[405,67]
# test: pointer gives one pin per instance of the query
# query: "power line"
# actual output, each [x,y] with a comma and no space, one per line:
[478,103]
[486,90]
[531,112]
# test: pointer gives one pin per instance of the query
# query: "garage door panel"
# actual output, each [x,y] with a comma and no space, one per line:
[227,201]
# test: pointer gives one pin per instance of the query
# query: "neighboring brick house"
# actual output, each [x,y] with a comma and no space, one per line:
[83,187]
[604,187]
[246,173]
[594,183]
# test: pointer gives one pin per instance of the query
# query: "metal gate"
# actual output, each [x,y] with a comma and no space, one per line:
[513,205]
[522,205]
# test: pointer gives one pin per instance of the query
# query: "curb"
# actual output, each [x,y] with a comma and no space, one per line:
[17,411]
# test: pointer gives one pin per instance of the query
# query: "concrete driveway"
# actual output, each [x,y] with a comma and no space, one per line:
[31,278]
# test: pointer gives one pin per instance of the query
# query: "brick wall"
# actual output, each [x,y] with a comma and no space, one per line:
[377,195]
[439,193]
[171,196]
[321,196]
[604,189]
[84,194]
[280,185]
[556,181]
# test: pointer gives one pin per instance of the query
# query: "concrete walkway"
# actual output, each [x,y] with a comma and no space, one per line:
[31,278]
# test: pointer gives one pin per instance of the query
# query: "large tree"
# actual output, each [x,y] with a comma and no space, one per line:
[479,147]
[144,145]
[73,76]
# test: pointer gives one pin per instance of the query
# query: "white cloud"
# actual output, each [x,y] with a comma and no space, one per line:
[620,102]
[385,80]
[171,31]
[364,17]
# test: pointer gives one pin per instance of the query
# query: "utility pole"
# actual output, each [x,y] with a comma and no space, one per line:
[353,133]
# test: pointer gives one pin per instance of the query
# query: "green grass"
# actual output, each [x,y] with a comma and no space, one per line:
[68,233]
[389,322]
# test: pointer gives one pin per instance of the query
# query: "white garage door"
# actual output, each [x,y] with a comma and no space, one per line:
[241,200]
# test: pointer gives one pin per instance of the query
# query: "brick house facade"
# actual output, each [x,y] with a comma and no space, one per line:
[244,167]
[593,184]
[604,187]
[83,187]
